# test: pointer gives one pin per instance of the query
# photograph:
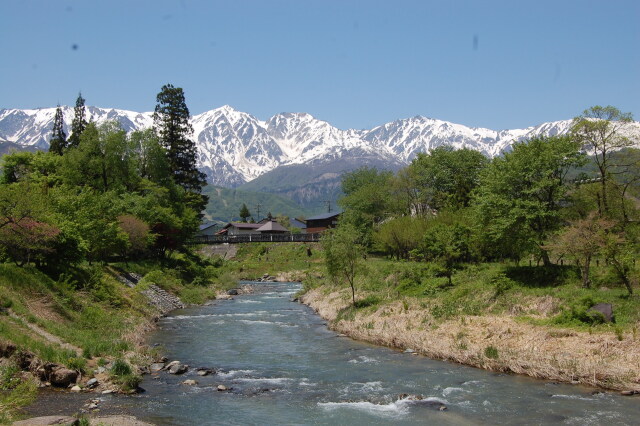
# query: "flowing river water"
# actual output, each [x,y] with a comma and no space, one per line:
[285,367]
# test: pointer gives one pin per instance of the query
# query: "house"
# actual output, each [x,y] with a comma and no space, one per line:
[322,222]
[207,229]
[272,227]
[300,224]
[239,228]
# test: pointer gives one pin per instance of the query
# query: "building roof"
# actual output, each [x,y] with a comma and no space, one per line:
[204,226]
[242,225]
[323,216]
[297,223]
[272,226]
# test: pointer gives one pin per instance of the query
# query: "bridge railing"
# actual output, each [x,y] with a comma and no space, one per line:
[255,238]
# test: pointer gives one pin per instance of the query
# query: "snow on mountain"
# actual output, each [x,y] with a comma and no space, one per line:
[236,147]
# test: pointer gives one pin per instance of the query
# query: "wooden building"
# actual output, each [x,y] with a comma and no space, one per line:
[322,222]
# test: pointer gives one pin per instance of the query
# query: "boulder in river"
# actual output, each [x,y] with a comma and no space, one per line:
[222,388]
[92,383]
[178,369]
[62,376]
[156,366]
[190,382]
[205,371]
[232,292]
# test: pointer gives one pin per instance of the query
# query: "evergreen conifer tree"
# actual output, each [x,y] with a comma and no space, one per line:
[244,212]
[79,122]
[171,122]
[58,141]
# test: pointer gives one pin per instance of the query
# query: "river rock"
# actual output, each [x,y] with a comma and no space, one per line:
[408,351]
[156,366]
[232,292]
[48,420]
[204,372]
[222,388]
[76,388]
[628,392]
[92,383]
[62,376]
[190,382]
[178,369]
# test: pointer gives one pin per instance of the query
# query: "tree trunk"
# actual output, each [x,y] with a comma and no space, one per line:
[586,282]
[545,258]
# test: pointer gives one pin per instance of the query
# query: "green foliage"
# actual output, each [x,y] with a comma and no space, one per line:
[9,378]
[491,352]
[122,374]
[244,212]
[367,199]
[400,236]
[519,199]
[58,142]
[577,313]
[343,252]
[20,396]
[79,122]
[445,177]
[171,122]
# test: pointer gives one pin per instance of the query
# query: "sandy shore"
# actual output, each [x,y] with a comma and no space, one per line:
[600,360]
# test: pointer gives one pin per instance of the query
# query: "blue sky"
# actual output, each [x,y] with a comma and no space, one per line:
[356,64]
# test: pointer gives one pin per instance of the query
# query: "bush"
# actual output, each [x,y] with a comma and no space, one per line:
[578,313]
[491,352]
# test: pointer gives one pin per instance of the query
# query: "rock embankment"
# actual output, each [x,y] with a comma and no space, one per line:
[161,299]
[164,301]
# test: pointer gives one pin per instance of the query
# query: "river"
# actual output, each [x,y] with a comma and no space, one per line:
[285,367]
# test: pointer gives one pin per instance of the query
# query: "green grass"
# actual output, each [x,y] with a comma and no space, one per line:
[254,260]
[497,288]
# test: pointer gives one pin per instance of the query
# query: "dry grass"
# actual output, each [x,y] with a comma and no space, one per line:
[600,360]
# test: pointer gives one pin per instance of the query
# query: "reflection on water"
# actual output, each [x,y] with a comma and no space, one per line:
[284,367]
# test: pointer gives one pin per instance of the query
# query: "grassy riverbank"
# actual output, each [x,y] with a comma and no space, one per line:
[527,320]
[87,318]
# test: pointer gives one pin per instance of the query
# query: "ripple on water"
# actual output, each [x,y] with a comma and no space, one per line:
[362,359]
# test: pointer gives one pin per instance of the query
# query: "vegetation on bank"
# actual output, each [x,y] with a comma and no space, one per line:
[73,221]
[458,251]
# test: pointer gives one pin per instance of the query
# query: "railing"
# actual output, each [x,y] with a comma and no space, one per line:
[255,238]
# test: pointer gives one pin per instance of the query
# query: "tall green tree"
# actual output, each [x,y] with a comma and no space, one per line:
[445,177]
[600,131]
[520,195]
[79,122]
[58,142]
[171,122]
[343,252]
[367,199]
[244,212]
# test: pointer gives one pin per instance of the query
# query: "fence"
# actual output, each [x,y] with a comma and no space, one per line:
[255,238]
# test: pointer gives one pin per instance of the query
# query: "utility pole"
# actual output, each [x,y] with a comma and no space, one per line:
[328,204]
[258,211]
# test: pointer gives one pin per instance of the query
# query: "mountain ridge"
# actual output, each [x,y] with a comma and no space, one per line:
[236,147]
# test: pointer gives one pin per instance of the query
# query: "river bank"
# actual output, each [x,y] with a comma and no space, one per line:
[492,342]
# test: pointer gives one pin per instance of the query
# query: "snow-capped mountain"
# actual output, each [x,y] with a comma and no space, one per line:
[236,147]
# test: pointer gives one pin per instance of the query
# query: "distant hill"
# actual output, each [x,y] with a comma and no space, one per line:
[224,204]
[313,185]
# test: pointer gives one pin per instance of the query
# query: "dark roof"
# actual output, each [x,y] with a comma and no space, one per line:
[297,223]
[242,225]
[323,216]
[204,226]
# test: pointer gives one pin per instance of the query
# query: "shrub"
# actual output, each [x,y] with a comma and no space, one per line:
[491,352]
